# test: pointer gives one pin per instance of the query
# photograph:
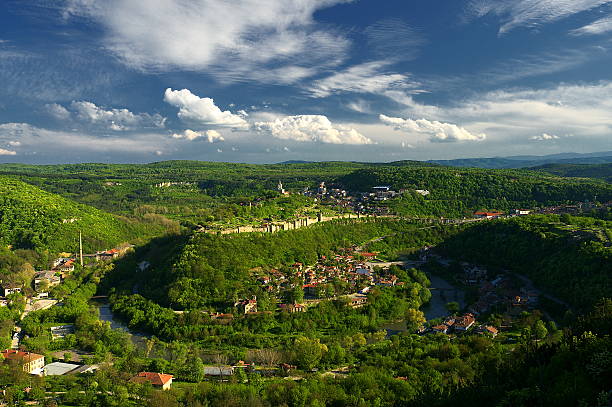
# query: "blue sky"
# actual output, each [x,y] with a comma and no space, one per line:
[274,80]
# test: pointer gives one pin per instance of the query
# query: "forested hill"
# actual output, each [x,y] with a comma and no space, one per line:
[208,270]
[31,218]
[600,171]
[570,257]
[455,190]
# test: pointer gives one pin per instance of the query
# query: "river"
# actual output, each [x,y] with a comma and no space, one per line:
[106,315]
[442,292]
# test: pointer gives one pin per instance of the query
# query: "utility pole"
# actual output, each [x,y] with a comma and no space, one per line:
[81,247]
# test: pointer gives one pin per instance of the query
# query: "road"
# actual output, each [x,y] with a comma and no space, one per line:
[30,307]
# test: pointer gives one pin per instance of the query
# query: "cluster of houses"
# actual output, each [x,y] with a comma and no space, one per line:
[462,324]
[349,268]
[60,269]
[498,294]
[498,214]
[501,292]
[335,197]
[360,202]
[575,209]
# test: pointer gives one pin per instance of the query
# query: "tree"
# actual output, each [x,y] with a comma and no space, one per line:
[308,352]
[414,319]
[297,294]
[194,370]
[540,330]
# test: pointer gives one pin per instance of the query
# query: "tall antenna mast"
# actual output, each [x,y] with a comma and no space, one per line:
[81,247]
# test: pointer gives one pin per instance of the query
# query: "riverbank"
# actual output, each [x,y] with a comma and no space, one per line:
[442,292]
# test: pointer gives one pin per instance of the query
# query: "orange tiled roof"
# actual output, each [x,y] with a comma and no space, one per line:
[157,379]
[21,356]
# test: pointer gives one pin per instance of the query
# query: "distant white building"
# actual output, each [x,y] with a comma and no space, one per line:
[382,193]
[423,192]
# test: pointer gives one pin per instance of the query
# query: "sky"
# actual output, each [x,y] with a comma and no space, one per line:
[266,81]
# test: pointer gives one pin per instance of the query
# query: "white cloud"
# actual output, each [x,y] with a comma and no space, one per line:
[227,38]
[31,138]
[516,13]
[359,106]
[202,110]
[212,136]
[438,132]
[7,152]
[364,78]
[544,137]
[14,143]
[313,128]
[58,111]
[509,118]
[113,119]
[600,26]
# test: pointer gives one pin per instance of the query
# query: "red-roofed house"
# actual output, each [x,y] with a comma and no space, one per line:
[464,322]
[31,362]
[159,380]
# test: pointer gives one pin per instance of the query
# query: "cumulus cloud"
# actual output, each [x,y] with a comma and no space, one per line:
[511,117]
[58,111]
[224,37]
[438,132]
[7,152]
[202,110]
[600,26]
[363,78]
[212,136]
[544,137]
[113,119]
[516,13]
[310,128]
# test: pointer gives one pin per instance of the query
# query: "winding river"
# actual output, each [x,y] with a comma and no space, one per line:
[442,292]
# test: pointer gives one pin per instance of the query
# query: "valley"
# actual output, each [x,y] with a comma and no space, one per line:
[346,285]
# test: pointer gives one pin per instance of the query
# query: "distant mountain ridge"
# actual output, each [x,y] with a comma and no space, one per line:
[529,160]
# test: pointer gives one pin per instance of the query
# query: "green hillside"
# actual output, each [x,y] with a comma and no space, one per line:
[31,218]
[600,171]
[569,256]
[458,191]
